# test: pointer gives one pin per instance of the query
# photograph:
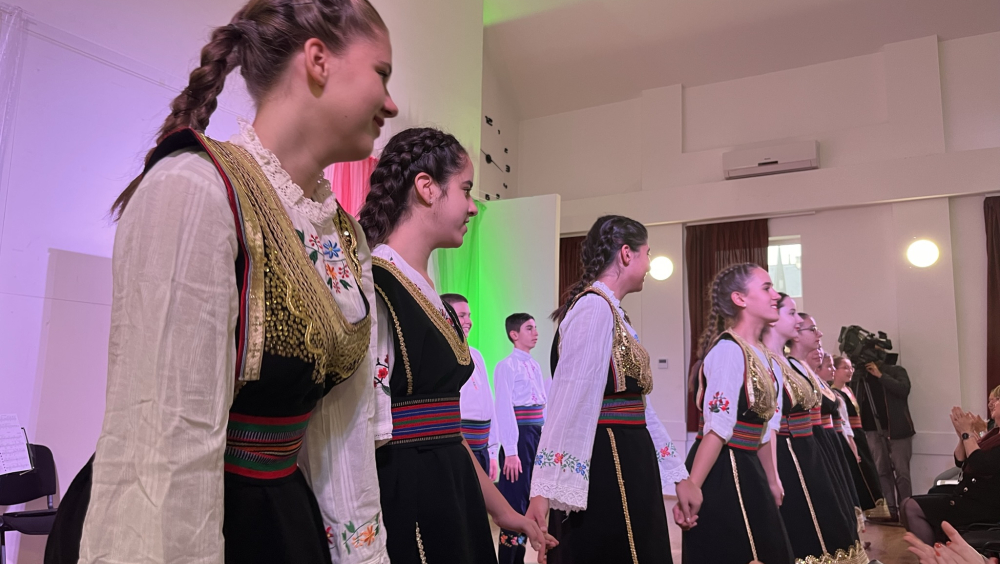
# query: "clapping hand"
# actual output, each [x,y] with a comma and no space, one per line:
[956,551]
[964,422]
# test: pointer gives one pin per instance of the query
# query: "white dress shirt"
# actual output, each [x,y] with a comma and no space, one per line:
[477,401]
[519,383]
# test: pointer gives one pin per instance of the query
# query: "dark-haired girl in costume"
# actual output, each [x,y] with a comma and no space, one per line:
[805,353]
[604,460]
[435,496]
[819,531]
[242,315]
[733,462]
[866,481]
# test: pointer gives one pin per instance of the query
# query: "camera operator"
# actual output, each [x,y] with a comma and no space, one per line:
[890,387]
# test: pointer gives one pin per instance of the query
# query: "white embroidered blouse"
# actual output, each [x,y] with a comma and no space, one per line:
[519,382]
[725,373]
[157,492]
[562,467]
[477,401]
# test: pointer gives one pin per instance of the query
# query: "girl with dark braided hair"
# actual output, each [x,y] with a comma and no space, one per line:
[241,316]
[435,496]
[733,462]
[604,460]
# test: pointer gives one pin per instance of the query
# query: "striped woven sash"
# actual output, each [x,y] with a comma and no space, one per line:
[426,420]
[817,416]
[855,421]
[530,414]
[797,425]
[828,422]
[746,436]
[476,433]
[622,409]
[263,447]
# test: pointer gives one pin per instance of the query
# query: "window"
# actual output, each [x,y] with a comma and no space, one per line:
[784,264]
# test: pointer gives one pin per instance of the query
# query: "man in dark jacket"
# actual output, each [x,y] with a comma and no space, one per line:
[890,386]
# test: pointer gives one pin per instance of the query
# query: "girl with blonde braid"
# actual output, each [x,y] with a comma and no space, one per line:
[242,314]
[733,462]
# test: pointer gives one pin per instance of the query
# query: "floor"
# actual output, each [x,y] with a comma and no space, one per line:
[887,544]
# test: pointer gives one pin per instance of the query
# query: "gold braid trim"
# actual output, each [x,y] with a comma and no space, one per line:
[739,495]
[621,486]
[402,343]
[799,387]
[458,345]
[853,555]
[420,546]
[805,490]
[301,318]
[761,394]
[629,357]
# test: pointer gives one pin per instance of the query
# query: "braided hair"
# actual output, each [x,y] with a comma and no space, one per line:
[260,39]
[733,278]
[409,153]
[606,237]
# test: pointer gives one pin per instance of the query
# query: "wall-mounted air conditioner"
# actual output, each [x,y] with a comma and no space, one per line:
[758,161]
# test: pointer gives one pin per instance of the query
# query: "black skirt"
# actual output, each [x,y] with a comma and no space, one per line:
[839,475]
[432,505]
[866,495]
[721,535]
[611,529]
[265,521]
[803,472]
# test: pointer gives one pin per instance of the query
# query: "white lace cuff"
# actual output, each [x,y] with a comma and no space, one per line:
[561,497]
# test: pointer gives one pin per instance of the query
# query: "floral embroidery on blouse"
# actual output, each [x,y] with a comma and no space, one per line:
[668,451]
[718,403]
[565,461]
[338,274]
[360,536]
[382,374]
[512,539]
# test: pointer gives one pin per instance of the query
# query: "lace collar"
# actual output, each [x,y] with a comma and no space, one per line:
[318,211]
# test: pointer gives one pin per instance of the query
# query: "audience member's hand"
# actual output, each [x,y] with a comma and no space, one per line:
[979,426]
[957,551]
[964,422]
[873,369]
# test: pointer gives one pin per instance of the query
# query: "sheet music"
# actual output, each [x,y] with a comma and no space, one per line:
[13,446]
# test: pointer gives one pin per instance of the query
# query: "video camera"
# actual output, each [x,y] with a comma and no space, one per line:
[863,346]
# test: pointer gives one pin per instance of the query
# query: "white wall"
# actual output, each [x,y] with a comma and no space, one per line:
[97,78]
[909,143]
[498,104]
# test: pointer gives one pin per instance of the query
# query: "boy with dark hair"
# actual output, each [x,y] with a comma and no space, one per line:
[476,401]
[520,407]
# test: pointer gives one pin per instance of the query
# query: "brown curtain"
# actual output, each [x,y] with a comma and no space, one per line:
[570,267]
[991,213]
[709,249]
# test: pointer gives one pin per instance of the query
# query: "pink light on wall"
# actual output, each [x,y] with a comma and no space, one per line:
[349,182]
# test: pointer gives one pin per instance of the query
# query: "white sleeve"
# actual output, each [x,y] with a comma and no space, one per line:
[157,493]
[672,468]
[724,372]
[775,423]
[506,422]
[845,421]
[562,465]
[384,355]
[338,454]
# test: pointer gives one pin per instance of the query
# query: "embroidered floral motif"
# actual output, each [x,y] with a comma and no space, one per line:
[362,535]
[718,403]
[512,539]
[668,451]
[565,461]
[337,273]
[381,374]
[329,535]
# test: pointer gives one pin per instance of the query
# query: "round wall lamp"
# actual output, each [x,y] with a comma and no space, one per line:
[661,268]
[922,253]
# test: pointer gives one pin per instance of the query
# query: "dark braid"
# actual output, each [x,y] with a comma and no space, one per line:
[409,153]
[261,38]
[731,279]
[606,237]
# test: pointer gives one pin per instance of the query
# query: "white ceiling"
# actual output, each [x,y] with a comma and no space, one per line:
[559,55]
